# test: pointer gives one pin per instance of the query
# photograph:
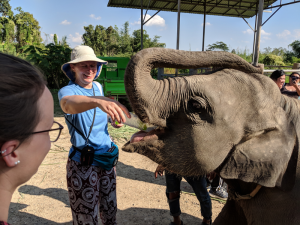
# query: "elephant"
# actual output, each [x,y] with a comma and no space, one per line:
[233,121]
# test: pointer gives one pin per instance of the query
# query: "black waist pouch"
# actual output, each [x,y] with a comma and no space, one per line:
[87,156]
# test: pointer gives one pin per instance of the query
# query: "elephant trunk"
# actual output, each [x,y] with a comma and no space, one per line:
[152,100]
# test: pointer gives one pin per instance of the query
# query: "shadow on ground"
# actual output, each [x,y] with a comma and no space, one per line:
[130,172]
[16,217]
[55,193]
[154,217]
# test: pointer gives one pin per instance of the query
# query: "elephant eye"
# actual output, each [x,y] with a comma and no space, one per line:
[196,105]
[199,108]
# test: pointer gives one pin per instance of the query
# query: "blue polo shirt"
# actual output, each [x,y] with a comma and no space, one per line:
[99,138]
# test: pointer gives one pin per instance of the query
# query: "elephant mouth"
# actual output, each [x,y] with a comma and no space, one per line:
[146,143]
[147,136]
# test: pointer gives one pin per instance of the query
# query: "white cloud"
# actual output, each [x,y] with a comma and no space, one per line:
[248,31]
[266,38]
[284,34]
[77,38]
[94,17]
[155,21]
[206,24]
[264,33]
[52,35]
[297,33]
[65,22]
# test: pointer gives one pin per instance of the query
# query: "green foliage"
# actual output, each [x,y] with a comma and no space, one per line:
[296,48]
[117,42]
[219,45]
[95,38]
[147,41]
[5,8]
[273,60]
[55,39]
[8,48]
[50,60]
[27,29]
[244,54]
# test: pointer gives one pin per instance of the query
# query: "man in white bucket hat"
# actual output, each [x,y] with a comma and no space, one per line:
[91,175]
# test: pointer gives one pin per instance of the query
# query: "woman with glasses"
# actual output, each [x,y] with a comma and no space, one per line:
[292,89]
[26,124]
[91,176]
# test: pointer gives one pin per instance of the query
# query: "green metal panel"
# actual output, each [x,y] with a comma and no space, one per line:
[112,75]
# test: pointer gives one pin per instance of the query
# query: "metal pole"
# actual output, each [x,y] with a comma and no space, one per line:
[254,41]
[257,39]
[178,31]
[178,24]
[142,32]
[204,25]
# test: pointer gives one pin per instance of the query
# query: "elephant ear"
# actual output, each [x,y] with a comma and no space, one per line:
[267,157]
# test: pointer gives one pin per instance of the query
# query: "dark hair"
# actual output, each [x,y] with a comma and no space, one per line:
[276,74]
[21,85]
[294,73]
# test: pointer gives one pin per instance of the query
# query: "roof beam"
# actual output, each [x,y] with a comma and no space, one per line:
[282,4]
[255,3]
[229,9]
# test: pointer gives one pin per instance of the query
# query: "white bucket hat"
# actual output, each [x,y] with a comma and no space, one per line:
[82,53]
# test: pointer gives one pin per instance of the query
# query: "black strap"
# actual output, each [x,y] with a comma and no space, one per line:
[85,138]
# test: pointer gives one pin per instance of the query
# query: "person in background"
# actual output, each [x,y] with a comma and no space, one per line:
[278,76]
[91,176]
[26,118]
[292,89]
[173,194]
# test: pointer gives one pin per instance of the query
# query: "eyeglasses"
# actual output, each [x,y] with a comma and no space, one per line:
[56,131]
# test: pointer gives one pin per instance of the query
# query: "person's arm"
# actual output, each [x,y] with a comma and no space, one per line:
[74,104]
[297,88]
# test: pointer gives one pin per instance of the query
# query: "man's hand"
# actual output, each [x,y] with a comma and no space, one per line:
[113,108]
[159,170]
[116,125]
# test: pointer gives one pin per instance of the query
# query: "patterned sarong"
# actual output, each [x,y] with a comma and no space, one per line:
[89,187]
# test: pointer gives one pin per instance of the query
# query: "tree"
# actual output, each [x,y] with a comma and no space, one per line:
[296,48]
[49,60]
[125,39]
[218,45]
[267,50]
[147,41]
[279,51]
[233,51]
[273,60]
[5,8]
[112,41]
[28,29]
[55,39]
[95,38]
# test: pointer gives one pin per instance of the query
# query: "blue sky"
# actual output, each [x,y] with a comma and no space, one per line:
[67,17]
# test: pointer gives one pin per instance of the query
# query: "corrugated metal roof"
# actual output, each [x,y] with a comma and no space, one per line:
[233,8]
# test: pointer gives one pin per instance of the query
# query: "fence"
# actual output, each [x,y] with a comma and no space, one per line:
[161,75]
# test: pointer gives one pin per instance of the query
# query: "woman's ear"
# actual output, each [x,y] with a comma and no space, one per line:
[8,153]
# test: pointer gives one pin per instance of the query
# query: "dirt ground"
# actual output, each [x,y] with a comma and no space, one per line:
[141,198]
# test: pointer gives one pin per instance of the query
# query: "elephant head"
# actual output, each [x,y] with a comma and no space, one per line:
[234,121]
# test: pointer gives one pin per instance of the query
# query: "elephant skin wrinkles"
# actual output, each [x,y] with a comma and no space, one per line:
[233,121]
